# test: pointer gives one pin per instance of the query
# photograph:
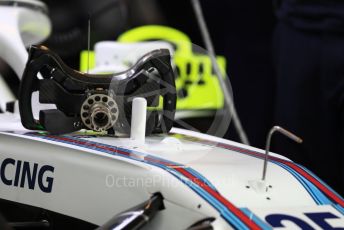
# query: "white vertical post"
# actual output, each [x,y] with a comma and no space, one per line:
[138,120]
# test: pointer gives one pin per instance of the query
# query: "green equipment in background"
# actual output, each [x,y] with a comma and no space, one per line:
[197,86]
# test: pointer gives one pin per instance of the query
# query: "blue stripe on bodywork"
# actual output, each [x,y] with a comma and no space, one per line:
[256,219]
[231,218]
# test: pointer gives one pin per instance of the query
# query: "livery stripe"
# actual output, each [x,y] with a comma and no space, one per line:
[256,219]
[220,198]
[317,183]
[318,196]
[305,174]
[339,209]
[233,215]
[321,181]
[303,183]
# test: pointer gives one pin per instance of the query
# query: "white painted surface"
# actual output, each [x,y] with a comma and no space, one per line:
[80,175]
[138,120]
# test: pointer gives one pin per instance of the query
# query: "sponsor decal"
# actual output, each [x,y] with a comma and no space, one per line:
[25,174]
[318,218]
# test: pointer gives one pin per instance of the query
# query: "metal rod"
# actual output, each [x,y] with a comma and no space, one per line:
[268,143]
[209,46]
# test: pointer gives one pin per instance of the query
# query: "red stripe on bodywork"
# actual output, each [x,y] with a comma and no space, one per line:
[302,172]
[237,212]
[251,224]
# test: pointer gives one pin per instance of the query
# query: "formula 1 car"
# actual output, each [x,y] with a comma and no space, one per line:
[106,156]
[112,175]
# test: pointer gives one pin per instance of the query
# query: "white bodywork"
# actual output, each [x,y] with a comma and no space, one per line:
[94,185]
